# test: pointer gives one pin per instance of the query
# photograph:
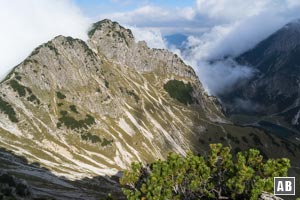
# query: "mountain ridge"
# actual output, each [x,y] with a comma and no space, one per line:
[84,109]
[65,64]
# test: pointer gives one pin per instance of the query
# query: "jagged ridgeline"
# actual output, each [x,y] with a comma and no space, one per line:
[83,109]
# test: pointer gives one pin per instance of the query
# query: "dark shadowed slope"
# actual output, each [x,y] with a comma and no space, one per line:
[275,89]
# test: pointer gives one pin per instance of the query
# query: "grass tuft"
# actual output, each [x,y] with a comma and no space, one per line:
[180,91]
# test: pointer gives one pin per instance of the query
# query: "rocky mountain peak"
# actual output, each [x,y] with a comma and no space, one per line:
[283,43]
[293,25]
[285,40]
[97,95]
[112,31]
[118,43]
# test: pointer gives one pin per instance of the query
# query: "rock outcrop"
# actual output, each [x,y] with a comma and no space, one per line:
[118,43]
[268,196]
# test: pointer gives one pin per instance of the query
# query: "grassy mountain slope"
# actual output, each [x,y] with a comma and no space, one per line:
[87,109]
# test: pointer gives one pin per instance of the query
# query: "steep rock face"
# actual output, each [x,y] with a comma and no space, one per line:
[268,196]
[80,112]
[85,113]
[118,43]
[275,89]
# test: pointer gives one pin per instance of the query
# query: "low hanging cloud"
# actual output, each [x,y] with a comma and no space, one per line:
[231,10]
[221,76]
[154,16]
[243,24]
[27,24]
[234,34]
[216,29]
[152,36]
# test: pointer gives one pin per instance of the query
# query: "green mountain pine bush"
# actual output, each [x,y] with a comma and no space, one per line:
[219,175]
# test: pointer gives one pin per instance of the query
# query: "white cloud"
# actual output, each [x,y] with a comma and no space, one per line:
[293,3]
[153,16]
[217,28]
[245,34]
[221,76]
[242,24]
[232,9]
[139,16]
[202,47]
[237,26]
[27,24]
[153,37]
[187,13]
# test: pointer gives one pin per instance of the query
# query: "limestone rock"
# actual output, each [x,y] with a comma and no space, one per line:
[269,196]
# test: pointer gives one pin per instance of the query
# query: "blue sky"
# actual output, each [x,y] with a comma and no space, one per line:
[94,8]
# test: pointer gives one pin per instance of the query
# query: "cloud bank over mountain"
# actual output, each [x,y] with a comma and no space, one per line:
[27,24]
[215,29]
[240,25]
[153,36]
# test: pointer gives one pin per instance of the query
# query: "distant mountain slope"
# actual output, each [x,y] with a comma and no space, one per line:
[86,109]
[275,90]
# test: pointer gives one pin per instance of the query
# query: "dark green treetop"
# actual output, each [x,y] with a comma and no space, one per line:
[220,175]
